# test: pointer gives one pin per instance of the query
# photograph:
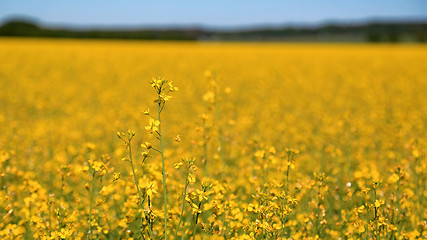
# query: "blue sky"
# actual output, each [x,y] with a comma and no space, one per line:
[220,13]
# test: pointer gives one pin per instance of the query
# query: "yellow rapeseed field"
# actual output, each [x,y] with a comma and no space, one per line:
[240,140]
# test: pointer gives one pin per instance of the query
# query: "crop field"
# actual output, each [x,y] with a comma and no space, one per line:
[178,140]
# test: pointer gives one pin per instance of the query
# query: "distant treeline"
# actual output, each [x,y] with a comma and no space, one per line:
[369,32]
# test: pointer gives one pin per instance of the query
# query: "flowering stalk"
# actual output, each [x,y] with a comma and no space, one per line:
[92,186]
[99,169]
[377,204]
[162,88]
[189,164]
[127,140]
[183,203]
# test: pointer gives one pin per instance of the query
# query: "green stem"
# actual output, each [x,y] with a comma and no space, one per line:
[134,174]
[163,169]
[141,199]
[183,204]
[90,205]
[196,220]
[194,232]
[183,231]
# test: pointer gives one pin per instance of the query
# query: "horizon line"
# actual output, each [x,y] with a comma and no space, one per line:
[267,25]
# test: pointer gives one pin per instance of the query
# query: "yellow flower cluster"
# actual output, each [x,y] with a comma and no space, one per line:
[274,141]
